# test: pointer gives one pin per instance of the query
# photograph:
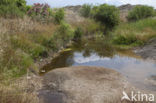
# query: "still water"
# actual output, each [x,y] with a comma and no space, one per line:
[141,73]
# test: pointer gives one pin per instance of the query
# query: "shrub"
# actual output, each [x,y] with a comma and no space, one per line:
[65,32]
[85,11]
[107,15]
[51,43]
[127,40]
[78,33]
[12,8]
[21,4]
[59,16]
[40,11]
[140,12]
[60,38]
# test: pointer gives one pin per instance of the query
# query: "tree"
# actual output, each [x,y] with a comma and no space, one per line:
[107,15]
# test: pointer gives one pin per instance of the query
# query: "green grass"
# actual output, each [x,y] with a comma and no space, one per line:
[135,33]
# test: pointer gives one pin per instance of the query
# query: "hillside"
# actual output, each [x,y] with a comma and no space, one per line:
[73,12]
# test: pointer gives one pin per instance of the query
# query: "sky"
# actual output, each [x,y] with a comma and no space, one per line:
[62,3]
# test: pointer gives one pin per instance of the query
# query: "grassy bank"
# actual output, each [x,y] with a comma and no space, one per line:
[24,42]
[132,34]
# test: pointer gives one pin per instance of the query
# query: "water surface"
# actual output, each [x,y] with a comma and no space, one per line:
[99,53]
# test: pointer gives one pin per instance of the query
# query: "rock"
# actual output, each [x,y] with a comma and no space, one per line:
[148,51]
[83,84]
[73,8]
[126,7]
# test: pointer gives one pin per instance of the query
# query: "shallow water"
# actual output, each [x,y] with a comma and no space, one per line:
[99,53]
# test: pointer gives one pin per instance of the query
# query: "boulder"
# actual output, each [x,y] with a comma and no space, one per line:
[83,84]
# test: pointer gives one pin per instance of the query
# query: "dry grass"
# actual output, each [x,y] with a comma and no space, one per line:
[16,59]
[20,91]
[25,24]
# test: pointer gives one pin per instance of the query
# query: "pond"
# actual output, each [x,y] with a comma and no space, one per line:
[98,52]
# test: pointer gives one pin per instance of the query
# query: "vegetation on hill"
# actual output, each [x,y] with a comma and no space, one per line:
[107,15]
[139,30]
[85,11]
[141,12]
[59,16]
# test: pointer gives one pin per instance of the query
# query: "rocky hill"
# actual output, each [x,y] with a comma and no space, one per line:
[124,9]
[73,10]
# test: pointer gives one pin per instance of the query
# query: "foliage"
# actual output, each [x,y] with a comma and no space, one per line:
[21,4]
[12,8]
[140,12]
[89,26]
[135,33]
[50,43]
[60,38]
[64,33]
[40,11]
[127,40]
[35,50]
[107,15]
[78,33]
[59,16]
[85,11]
[14,63]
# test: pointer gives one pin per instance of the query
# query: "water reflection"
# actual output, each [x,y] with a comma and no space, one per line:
[99,53]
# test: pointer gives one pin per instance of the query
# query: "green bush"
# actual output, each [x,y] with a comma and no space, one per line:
[12,8]
[140,12]
[21,4]
[107,15]
[85,11]
[59,16]
[127,40]
[64,32]
[78,33]
[60,38]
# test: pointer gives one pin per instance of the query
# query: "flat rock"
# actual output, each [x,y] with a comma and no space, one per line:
[83,84]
